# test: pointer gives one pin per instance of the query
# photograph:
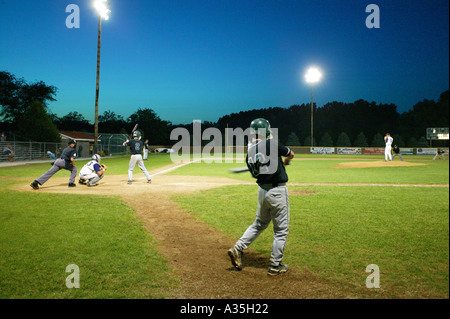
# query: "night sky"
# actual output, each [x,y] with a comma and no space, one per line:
[202,59]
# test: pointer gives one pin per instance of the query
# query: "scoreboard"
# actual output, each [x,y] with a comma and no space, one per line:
[439,133]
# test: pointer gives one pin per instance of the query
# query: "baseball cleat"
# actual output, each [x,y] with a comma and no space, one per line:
[235,257]
[276,270]
[91,185]
[149,181]
[35,185]
[129,182]
[72,184]
[82,181]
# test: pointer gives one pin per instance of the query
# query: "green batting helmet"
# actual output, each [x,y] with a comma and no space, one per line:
[137,135]
[259,125]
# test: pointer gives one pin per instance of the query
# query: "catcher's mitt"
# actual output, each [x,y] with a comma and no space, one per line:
[104,167]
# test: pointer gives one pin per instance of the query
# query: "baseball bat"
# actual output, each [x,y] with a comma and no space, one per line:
[239,170]
[134,129]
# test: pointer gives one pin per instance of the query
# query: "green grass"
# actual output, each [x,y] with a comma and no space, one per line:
[337,231]
[324,171]
[41,234]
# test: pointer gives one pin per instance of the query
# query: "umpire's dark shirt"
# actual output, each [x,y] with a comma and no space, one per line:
[68,153]
[136,146]
[263,147]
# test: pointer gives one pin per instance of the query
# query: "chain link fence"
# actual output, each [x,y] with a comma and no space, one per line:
[109,144]
[112,144]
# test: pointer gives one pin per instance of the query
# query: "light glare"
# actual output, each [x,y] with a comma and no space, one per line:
[102,9]
[313,75]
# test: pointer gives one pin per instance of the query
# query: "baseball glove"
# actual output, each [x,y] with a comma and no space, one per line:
[104,167]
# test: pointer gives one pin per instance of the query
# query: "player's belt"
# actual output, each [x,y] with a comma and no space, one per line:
[271,185]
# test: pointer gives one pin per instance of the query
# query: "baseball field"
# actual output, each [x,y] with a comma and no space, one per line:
[169,239]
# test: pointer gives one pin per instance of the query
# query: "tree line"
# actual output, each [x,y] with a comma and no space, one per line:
[24,110]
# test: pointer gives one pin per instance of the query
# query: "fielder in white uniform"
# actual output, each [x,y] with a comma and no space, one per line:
[145,157]
[388,150]
[91,172]
[136,147]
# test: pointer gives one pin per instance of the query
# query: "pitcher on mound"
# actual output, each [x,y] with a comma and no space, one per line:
[136,147]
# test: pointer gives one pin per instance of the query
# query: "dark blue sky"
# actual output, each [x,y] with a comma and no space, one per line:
[201,59]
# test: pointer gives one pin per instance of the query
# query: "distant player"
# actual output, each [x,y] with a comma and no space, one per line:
[441,153]
[92,172]
[397,152]
[388,149]
[66,161]
[146,147]
[136,147]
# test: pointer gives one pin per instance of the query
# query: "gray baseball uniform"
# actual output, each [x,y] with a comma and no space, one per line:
[273,205]
[61,163]
[273,198]
[136,147]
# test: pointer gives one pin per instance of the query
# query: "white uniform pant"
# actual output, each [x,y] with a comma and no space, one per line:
[145,154]
[91,178]
[388,153]
[137,159]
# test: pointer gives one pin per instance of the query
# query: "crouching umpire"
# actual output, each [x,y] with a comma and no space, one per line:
[66,161]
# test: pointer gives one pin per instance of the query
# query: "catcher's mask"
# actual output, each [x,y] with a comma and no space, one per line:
[137,135]
[259,126]
[96,158]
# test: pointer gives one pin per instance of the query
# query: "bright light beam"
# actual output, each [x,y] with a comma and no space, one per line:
[102,8]
[313,75]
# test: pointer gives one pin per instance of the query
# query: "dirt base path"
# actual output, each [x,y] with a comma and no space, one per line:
[196,251]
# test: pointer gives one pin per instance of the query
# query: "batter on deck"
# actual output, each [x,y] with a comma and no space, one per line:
[136,147]
[273,198]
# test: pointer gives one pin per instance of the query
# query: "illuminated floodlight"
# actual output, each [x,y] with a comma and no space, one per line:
[313,75]
[102,8]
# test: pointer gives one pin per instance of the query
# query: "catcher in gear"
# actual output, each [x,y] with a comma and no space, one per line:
[92,172]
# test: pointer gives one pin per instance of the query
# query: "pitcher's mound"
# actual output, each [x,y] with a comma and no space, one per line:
[376,164]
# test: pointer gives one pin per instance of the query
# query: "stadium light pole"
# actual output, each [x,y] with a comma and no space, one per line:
[313,75]
[101,6]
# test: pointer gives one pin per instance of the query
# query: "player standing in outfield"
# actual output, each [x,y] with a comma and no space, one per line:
[273,198]
[92,172]
[388,149]
[136,147]
[146,147]
[66,161]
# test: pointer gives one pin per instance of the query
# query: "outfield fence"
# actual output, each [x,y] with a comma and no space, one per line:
[112,145]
